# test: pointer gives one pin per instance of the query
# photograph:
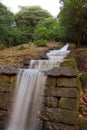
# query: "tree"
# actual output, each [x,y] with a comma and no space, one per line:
[9,34]
[6,21]
[73,19]
[27,19]
[48,29]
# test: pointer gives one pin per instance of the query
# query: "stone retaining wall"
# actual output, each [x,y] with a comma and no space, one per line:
[61,98]
[7,83]
[61,102]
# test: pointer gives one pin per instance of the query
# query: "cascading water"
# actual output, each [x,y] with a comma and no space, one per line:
[29,90]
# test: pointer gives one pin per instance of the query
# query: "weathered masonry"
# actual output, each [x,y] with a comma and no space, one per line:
[61,109]
[61,98]
[7,83]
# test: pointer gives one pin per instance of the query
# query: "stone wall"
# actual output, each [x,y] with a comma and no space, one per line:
[7,83]
[61,101]
[61,98]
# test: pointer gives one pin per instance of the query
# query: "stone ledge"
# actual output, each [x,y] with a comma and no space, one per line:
[8,70]
[62,71]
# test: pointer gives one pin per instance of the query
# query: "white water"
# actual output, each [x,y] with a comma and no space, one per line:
[29,90]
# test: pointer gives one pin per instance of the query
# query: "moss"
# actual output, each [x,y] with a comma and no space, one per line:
[70,62]
[67,103]
[83,79]
[83,123]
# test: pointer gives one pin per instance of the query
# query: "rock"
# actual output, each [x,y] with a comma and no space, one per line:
[26,62]
[61,92]
[58,126]
[8,70]
[60,115]
[71,104]
[51,101]
[62,71]
[67,82]
[51,81]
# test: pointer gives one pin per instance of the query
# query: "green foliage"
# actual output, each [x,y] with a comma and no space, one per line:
[83,79]
[83,123]
[55,31]
[9,34]
[48,29]
[47,22]
[22,47]
[40,43]
[41,32]
[27,19]
[73,19]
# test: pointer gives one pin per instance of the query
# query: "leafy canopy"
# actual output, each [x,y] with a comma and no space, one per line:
[27,19]
[73,19]
[9,34]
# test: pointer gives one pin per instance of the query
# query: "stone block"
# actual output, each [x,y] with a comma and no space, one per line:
[51,101]
[71,104]
[60,116]
[61,92]
[58,126]
[4,87]
[4,79]
[62,71]
[12,87]
[51,81]
[5,101]
[3,114]
[67,82]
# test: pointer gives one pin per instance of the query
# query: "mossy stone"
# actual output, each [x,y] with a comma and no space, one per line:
[70,62]
[70,104]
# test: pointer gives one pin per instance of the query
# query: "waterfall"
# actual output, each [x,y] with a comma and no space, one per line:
[29,90]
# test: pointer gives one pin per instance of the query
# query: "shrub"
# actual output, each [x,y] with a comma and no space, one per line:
[41,33]
[40,43]
[22,47]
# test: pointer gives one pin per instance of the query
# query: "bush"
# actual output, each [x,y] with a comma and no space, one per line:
[41,33]
[22,47]
[40,43]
